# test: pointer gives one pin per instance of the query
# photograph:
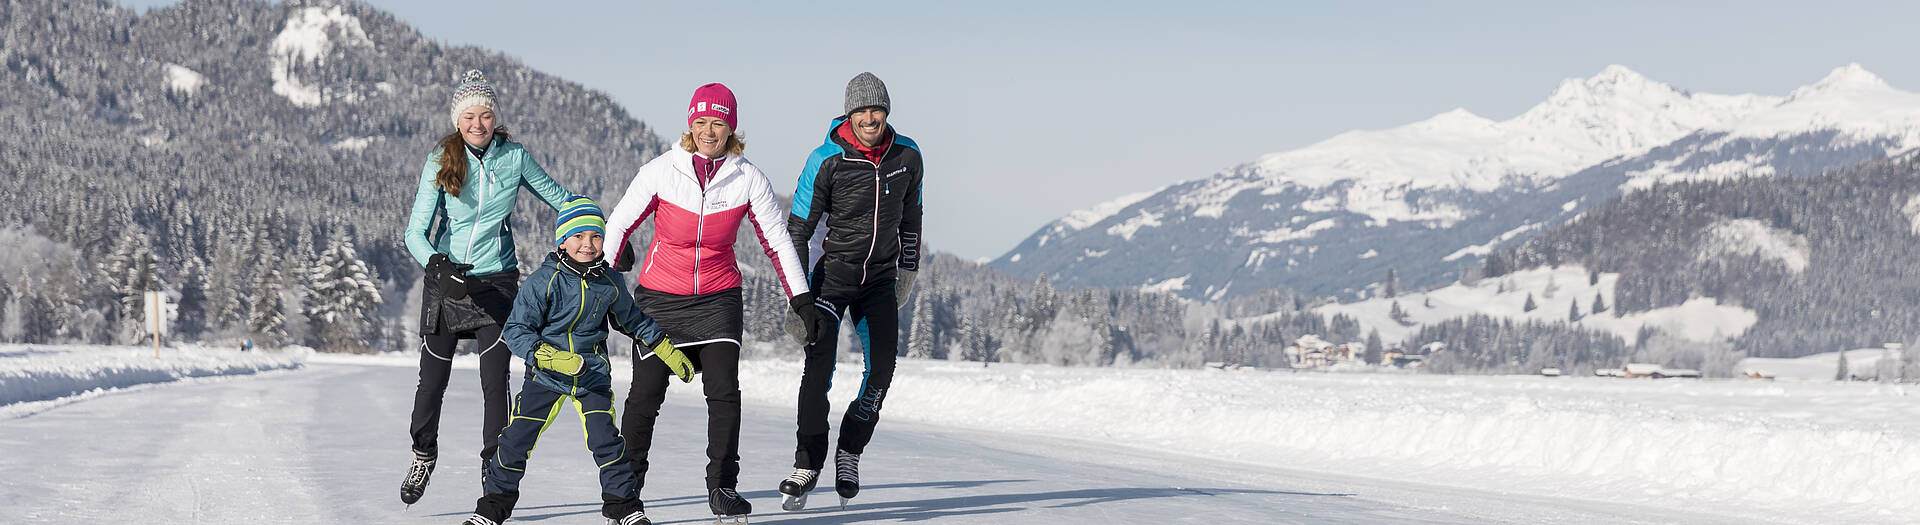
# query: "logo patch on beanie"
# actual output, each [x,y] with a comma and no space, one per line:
[722,109]
[699,106]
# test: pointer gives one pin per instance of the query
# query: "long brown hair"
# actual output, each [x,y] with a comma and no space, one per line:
[453,161]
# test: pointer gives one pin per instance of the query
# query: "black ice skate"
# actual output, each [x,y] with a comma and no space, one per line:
[638,517]
[846,476]
[728,507]
[794,489]
[416,483]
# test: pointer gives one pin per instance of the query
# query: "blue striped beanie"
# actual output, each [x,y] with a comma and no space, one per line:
[578,214]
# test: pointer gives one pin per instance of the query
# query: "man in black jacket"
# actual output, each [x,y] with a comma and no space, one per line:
[858,201]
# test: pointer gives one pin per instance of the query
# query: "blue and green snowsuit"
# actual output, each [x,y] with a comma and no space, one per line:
[560,306]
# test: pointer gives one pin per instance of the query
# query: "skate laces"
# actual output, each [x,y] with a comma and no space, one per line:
[802,476]
[477,519]
[417,474]
[636,518]
[848,466]
[730,493]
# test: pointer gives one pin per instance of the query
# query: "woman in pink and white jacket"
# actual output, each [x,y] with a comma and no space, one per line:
[698,194]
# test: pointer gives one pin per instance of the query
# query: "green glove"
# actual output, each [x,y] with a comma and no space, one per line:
[555,359]
[674,359]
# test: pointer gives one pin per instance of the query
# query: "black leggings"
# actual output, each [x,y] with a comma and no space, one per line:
[719,365]
[436,365]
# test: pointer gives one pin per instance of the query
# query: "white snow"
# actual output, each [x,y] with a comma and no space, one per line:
[353,144]
[1754,238]
[307,39]
[1168,286]
[1483,249]
[1584,121]
[1850,100]
[1912,210]
[1081,219]
[1125,229]
[183,80]
[1698,319]
[1569,206]
[1285,234]
[1370,254]
[31,375]
[1823,367]
[1819,452]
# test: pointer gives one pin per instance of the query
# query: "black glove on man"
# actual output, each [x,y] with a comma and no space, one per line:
[451,276]
[814,316]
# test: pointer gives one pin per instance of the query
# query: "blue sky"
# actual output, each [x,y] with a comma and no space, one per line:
[1029,110]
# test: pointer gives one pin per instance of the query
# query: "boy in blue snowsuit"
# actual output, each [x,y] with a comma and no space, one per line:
[558,325]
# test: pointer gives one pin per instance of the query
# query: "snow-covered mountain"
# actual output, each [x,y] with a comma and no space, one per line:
[1432,197]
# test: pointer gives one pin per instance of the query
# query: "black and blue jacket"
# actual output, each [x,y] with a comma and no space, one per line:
[861,219]
[563,308]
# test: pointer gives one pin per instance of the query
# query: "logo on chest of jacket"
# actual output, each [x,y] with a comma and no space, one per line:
[718,205]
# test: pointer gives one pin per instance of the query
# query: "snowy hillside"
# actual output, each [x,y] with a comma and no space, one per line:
[1560,294]
[1433,196]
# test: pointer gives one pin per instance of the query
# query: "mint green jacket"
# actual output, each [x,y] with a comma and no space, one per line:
[476,227]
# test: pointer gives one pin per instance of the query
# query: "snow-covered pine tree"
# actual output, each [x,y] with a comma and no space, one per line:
[1530,306]
[1599,304]
[343,298]
[1842,373]
[266,316]
[1375,348]
[1392,287]
[1573,314]
[920,332]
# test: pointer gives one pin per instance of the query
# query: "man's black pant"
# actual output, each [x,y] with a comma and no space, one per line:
[436,365]
[876,320]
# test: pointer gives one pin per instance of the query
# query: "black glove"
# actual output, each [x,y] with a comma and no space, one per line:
[451,276]
[815,317]
[623,261]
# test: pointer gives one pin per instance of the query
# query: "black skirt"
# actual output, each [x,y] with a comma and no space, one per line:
[694,319]
[489,299]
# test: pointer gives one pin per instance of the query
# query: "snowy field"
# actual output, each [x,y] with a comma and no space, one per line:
[34,377]
[1812,452]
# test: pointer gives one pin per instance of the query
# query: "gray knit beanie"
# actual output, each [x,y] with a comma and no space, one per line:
[867,90]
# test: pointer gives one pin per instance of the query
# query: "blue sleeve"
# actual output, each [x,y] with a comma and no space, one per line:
[522,331]
[426,204]
[810,198]
[628,318]
[535,179]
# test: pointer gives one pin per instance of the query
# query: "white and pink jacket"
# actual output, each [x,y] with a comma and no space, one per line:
[694,225]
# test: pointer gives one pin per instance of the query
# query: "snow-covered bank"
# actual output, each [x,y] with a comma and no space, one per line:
[1813,452]
[31,373]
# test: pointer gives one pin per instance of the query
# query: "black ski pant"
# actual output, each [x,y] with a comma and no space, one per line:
[719,365]
[536,408]
[876,320]
[436,366]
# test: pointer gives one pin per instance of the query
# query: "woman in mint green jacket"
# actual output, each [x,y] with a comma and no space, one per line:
[460,230]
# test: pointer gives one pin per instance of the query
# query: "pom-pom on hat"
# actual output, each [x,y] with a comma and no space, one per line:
[474,90]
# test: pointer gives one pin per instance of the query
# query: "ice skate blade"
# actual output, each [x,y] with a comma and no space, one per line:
[844,501]
[724,519]
[790,503]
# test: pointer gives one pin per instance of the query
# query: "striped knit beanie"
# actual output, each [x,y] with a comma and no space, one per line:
[474,90]
[578,214]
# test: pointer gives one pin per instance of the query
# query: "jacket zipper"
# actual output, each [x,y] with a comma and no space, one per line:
[873,234]
[575,323]
[485,191]
[699,234]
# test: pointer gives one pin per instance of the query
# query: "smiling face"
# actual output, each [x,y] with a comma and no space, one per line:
[869,125]
[710,136]
[583,247]
[476,126]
